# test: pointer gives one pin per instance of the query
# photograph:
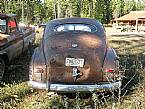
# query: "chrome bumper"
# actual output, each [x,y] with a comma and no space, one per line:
[75,88]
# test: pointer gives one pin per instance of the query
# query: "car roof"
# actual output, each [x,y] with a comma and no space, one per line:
[52,24]
[73,20]
[2,15]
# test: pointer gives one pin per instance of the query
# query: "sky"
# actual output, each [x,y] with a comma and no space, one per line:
[42,1]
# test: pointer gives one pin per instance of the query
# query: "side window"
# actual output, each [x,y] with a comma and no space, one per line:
[12,25]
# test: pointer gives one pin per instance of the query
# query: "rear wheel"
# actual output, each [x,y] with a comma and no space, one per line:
[2,68]
[30,48]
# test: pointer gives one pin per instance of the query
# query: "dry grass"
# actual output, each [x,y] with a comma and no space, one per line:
[130,49]
[134,44]
[133,48]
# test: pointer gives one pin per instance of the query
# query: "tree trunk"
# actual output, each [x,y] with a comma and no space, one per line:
[90,8]
[58,9]
[55,13]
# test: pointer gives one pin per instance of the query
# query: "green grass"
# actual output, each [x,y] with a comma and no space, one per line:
[11,94]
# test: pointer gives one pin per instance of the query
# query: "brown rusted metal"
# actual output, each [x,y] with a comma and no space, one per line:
[14,41]
[90,48]
[57,46]
[48,68]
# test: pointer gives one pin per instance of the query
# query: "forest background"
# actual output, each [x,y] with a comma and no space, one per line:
[36,11]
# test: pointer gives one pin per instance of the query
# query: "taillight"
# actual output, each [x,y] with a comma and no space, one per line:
[35,70]
[109,74]
[110,70]
[38,70]
[36,74]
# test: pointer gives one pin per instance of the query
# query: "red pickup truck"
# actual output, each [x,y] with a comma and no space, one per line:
[13,39]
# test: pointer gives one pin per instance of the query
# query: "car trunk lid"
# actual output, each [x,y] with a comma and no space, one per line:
[75,57]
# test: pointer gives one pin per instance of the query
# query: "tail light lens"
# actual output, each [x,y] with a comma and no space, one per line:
[36,73]
[38,70]
[109,74]
[110,70]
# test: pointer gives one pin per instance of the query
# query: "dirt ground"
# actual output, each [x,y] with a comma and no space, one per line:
[112,30]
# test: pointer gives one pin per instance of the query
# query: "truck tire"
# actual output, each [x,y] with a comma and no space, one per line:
[30,48]
[2,68]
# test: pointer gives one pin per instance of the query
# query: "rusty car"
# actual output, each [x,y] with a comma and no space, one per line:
[14,39]
[74,57]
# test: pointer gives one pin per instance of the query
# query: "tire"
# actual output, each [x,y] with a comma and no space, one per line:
[30,48]
[2,68]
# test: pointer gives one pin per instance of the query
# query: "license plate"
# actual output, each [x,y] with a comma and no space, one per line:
[78,62]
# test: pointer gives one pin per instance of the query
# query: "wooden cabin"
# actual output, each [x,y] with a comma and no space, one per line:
[134,20]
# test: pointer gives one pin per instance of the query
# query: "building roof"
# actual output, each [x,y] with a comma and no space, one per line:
[133,15]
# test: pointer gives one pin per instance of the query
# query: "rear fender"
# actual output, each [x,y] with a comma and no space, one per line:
[111,63]
[37,69]
[110,58]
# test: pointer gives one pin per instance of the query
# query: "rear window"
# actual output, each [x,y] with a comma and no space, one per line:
[75,27]
[12,25]
[2,26]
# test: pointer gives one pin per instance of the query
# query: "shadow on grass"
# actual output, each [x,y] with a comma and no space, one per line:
[18,69]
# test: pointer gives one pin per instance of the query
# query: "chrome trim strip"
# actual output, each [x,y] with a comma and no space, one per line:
[75,88]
